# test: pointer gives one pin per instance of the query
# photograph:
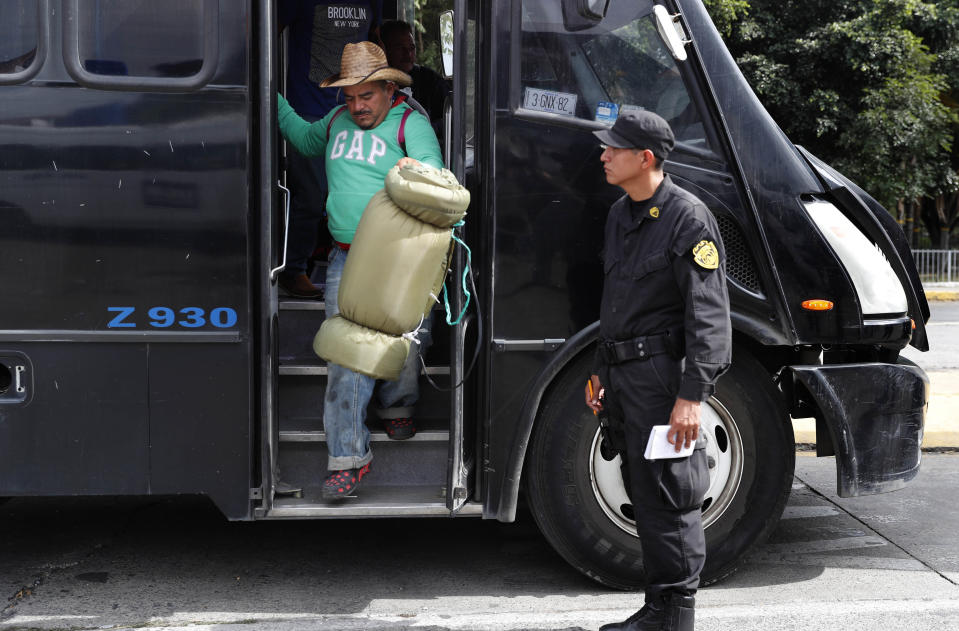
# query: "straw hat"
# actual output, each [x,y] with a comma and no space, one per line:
[363,62]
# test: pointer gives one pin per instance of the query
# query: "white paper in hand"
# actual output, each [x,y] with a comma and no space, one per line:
[659,446]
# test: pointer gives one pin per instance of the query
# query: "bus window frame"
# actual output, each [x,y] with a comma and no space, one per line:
[43,37]
[211,54]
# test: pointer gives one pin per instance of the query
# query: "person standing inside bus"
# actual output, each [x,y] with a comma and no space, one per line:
[664,299]
[317,32]
[361,142]
[429,88]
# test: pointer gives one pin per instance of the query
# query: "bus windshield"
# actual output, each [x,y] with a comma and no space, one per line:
[619,63]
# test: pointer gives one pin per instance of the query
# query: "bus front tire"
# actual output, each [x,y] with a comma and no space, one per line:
[576,493]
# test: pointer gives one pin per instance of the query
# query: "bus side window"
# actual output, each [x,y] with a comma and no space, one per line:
[19,40]
[142,38]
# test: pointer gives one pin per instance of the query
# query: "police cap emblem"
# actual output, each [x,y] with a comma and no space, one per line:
[706,255]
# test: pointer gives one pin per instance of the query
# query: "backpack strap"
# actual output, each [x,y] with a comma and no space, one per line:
[401,134]
[333,118]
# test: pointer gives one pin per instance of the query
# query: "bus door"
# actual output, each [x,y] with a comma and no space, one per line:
[426,475]
[458,60]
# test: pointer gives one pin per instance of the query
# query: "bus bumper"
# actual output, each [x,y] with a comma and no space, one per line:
[875,415]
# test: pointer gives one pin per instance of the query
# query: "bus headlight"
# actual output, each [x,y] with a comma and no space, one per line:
[876,284]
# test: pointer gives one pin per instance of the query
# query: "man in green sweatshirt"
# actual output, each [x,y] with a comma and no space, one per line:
[380,132]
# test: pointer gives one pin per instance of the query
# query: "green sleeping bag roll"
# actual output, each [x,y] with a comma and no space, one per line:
[360,349]
[392,268]
[431,195]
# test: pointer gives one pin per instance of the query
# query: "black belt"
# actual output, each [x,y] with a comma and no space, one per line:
[641,348]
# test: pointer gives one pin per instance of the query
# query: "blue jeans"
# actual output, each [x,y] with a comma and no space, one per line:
[348,393]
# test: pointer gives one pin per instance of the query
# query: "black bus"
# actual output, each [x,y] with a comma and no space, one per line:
[144,348]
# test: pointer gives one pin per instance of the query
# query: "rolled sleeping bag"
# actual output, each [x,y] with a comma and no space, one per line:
[361,349]
[393,263]
[397,263]
[431,195]
[434,197]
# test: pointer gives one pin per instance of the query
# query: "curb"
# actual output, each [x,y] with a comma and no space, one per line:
[941,294]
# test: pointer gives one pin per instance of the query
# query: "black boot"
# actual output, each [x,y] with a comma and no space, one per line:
[674,612]
[681,613]
[629,624]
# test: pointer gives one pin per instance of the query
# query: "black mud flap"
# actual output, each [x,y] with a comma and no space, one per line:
[875,414]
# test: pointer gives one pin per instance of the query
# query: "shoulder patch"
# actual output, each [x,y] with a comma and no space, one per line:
[706,255]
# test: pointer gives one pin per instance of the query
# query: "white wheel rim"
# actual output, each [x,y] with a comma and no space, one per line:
[724,452]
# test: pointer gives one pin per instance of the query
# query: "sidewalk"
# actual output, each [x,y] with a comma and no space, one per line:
[942,416]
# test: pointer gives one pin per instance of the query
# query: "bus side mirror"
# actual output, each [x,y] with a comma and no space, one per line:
[670,31]
[582,14]
[446,42]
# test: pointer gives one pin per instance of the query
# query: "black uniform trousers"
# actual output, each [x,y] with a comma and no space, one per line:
[667,494]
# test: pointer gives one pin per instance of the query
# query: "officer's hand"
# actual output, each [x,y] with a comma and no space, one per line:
[406,161]
[594,393]
[684,423]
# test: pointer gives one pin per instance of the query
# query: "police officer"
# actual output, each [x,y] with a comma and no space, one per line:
[664,299]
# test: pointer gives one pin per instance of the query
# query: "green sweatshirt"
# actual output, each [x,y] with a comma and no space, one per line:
[357,160]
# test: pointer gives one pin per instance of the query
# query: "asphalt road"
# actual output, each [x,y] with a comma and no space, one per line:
[885,561]
[943,330]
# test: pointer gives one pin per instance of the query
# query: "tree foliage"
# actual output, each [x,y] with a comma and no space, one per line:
[725,13]
[870,86]
[426,23]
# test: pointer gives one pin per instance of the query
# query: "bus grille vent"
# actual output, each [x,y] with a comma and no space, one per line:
[740,265]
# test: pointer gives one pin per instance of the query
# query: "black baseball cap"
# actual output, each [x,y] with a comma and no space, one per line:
[639,129]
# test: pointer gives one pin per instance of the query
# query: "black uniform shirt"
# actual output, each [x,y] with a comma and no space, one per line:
[430,89]
[665,270]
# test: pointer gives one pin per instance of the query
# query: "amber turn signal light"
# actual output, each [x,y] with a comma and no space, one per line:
[817,304]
